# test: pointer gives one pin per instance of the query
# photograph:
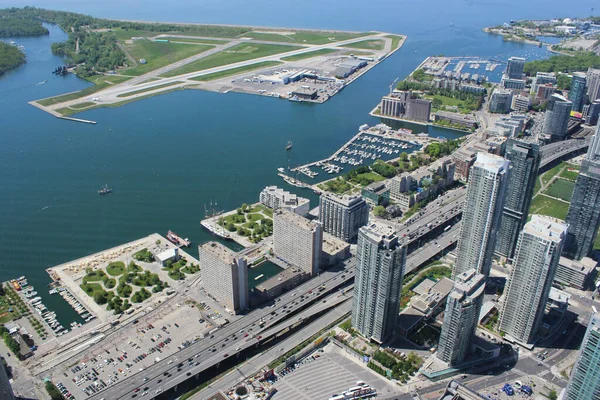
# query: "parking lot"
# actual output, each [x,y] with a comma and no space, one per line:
[330,372]
[147,340]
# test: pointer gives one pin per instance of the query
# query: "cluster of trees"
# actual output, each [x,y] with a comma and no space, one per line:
[10,26]
[140,295]
[10,57]
[11,343]
[53,391]
[143,255]
[563,63]
[402,368]
[420,76]
[337,185]
[384,169]
[124,290]
[441,149]
[118,305]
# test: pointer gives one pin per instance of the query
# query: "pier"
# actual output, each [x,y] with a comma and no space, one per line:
[59,115]
[85,121]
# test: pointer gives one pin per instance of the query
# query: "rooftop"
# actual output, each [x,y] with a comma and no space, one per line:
[278,279]
[546,228]
[295,219]
[585,265]
[217,249]
[491,162]
[346,200]
[332,245]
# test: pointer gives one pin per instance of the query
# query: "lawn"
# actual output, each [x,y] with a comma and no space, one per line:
[374,44]
[256,223]
[101,81]
[164,85]
[309,37]
[311,54]
[448,101]
[570,173]
[235,71]
[367,178]
[561,188]
[178,269]
[115,268]
[189,30]
[548,175]
[241,52]
[159,54]
[395,41]
[545,205]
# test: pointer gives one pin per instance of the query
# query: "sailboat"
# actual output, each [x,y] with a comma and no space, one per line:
[289,145]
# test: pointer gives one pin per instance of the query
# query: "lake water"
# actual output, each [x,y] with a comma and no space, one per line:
[168,156]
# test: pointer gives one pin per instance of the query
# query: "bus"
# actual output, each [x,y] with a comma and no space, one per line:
[446,229]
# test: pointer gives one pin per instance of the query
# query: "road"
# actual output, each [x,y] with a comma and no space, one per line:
[554,151]
[227,341]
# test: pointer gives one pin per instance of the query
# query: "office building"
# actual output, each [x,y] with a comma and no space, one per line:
[297,241]
[342,217]
[500,101]
[275,198]
[464,120]
[584,211]
[578,274]
[577,92]
[514,68]
[376,194]
[593,84]
[584,383]
[543,92]
[556,118]
[481,214]
[224,276]
[542,78]
[536,258]
[461,317]
[402,104]
[378,282]
[524,159]
[591,113]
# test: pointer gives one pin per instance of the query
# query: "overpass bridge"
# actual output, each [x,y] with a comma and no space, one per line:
[557,150]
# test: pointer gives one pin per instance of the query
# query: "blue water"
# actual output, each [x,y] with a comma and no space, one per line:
[167,156]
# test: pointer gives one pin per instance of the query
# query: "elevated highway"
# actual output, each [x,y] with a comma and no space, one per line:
[554,151]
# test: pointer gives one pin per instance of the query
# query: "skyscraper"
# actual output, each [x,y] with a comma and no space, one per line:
[593,84]
[537,255]
[585,376]
[379,270]
[342,217]
[591,113]
[577,92]
[514,68]
[461,317]
[524,159]
[481,214]
[224,275]
[6,392]
[556,118]
[297,240]
[584,212]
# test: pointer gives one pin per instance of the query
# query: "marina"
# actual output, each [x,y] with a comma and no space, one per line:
[369,144]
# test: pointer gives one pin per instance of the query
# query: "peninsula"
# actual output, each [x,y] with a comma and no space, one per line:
[135,60]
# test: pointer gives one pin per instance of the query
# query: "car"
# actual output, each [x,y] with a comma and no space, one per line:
[225,355]
[189,374]
[158,390]
[145,393]
[136,390]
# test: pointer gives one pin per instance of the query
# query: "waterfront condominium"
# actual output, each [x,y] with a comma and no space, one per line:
[342,217]
[584,383]
[481,214]
[224,276]
[577,92]
[524,160]
[557,116]
[378,282]
[536,259]
[297,241]
[514,68]
[584,212]
[461,317]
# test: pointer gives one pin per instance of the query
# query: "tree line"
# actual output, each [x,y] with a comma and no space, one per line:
[10,57]
[563,63]
[12,27]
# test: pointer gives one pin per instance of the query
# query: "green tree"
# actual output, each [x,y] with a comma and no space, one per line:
[53,391]
[552,395]
[379,211]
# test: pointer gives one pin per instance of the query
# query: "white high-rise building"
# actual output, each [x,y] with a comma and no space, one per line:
[224,276]
[481,214]
[377,285]
[537,255]
[342,217]
[275,198]
[461,317]
[297,240]
[593,84]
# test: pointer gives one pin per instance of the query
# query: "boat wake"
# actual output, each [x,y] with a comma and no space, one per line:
[45,208]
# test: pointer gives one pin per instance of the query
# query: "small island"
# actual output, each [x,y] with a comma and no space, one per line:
[10,57]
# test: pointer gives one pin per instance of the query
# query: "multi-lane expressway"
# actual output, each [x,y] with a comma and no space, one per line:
[557,150]
[227,341]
